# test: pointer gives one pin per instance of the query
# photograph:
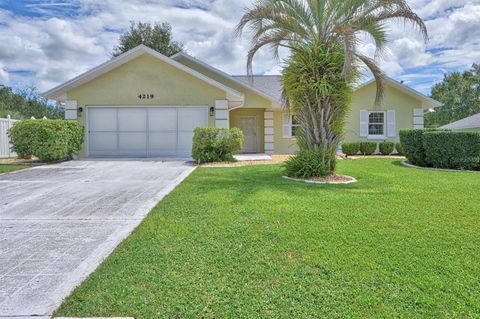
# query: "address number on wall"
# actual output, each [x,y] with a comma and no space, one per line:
[143,96]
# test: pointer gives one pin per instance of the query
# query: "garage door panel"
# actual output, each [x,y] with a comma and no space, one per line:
[102,119]
[185,141]
[162,119]
[162,144]
[132,119]
[103,143]
[132,144]
[190,118]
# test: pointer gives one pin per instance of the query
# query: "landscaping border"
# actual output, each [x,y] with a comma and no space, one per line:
[410,165]
[353,180]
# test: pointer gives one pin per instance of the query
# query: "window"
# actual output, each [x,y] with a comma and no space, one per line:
[290,126]
[376,124]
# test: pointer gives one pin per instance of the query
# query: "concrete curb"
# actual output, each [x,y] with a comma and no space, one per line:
[410,165]
[354,180]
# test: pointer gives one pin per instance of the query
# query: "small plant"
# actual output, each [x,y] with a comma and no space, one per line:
[399,148]
[212,144]
[351,148]
[306,164]
[386,148]
[49,140]
[368,148]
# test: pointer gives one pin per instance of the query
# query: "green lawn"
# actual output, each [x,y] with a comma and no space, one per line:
[244,243]
[5,168]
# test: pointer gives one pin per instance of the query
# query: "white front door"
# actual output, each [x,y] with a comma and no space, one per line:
[143,131]
[248,125]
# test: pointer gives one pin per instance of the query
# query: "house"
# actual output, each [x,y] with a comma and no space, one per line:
[468,124]
[144,104]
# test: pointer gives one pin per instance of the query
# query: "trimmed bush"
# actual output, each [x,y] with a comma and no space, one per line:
[386,148]
[368,147]
[212,144]
[49,140]
[351,148]
[306,164]
[412,142]
[456,150]
[399,148]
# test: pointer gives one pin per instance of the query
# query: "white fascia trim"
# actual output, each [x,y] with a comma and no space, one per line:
[430,102]
[228,76]
[126,57]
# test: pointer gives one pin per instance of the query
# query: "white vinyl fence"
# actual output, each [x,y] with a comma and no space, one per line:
[5,151]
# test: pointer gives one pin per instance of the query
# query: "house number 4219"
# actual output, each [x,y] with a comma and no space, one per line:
[145,96]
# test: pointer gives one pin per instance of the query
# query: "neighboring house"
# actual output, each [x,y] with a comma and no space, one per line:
[471,123]
[143,103]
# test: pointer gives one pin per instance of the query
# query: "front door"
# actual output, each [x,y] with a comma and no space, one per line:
[248,125]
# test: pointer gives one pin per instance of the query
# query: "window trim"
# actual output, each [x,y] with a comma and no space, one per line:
[377,137]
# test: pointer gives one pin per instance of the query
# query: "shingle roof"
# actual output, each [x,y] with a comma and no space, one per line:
[466,123]
[269,84]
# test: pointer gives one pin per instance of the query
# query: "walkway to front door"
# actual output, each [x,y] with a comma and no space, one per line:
[248,125]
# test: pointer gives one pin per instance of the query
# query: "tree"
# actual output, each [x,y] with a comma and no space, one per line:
[27,103]
[460,95]
[157,36]
[312,30]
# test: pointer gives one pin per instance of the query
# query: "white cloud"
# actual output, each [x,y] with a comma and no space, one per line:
[55,48]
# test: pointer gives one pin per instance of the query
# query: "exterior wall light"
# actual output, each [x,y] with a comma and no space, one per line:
[212,111]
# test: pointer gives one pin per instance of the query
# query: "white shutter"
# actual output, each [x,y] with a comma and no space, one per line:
[391,124]
[286,125]
[363,123]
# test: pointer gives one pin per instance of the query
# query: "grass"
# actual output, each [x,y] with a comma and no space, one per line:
[5,168]
[244,243]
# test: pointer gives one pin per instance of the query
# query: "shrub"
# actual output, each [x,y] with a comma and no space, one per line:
[306,164]
[399,148]
[368,148]
[212,144]
[386,148]
[456,150]
[351,148]
[412,142]
[49,140]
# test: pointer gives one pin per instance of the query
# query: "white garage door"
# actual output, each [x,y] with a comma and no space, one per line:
[143,131]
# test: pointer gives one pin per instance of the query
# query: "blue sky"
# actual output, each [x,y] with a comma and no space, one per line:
[45,43]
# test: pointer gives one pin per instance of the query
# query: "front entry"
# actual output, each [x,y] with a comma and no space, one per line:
[248,125]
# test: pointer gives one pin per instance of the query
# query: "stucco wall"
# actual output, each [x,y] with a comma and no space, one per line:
[259,113]
[394,99]
[145,74]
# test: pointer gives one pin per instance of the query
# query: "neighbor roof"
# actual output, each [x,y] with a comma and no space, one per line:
[59,91]
[466,123]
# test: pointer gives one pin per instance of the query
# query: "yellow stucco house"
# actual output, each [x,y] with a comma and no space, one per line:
[144,104]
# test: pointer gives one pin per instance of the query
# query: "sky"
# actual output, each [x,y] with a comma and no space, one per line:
[45,43]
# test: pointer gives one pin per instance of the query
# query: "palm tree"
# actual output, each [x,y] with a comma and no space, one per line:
[302,26]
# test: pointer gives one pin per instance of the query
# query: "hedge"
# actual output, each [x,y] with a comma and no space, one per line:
[412,142]
[455,150]
[351,148]
[399,148]
[386,148]
[49,140]
[212,144]
[368,148]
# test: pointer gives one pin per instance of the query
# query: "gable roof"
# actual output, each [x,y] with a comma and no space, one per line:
[60,90]
[466,123]
[238,80]
[428,101]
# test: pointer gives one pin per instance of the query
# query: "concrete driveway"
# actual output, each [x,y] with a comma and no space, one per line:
[58,222]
